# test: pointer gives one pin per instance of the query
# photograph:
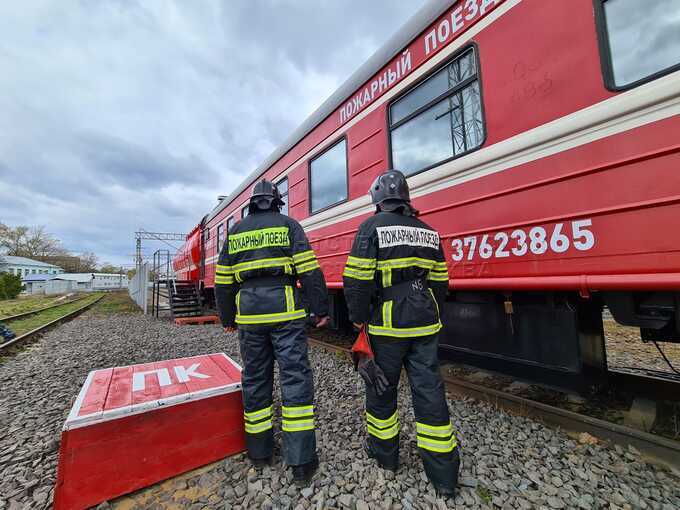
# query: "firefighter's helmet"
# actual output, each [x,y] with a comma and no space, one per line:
[265,195]
[390,191]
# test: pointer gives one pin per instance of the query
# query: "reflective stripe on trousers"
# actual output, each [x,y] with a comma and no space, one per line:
[287,344]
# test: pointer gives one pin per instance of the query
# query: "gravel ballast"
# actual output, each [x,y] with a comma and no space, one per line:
[508,461]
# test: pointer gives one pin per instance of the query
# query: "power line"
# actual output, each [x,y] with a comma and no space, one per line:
[163,237]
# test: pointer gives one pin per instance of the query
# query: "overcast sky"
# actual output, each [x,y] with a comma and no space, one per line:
[119,114]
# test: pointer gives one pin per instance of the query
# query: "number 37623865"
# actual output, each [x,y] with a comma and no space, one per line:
[535,240]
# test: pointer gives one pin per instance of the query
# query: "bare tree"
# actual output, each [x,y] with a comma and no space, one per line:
[88,262]
[12,240]
[39,243]
[31,242]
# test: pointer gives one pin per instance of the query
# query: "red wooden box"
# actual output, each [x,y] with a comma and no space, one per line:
[133,426]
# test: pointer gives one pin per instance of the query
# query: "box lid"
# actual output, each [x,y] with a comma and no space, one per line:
[112,393]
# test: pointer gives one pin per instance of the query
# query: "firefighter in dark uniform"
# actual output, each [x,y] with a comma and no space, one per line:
[265,255]
[395,282]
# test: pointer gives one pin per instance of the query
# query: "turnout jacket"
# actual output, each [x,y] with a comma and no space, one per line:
[264,256]
[396,276]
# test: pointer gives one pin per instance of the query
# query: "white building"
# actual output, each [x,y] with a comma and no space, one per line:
[48,284]
[97,281]
[24,267]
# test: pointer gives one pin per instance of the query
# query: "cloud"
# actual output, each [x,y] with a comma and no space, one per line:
[125,114]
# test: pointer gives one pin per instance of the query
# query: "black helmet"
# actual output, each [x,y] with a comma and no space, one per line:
[265,194]
[390,191]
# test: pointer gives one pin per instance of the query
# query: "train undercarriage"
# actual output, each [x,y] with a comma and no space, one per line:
[556,338]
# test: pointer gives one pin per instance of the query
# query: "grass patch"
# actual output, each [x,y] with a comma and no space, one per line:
[115,302]
[25,304]
[484,493]
[21,326]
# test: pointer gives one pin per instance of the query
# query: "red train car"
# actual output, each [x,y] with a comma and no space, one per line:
[540,139]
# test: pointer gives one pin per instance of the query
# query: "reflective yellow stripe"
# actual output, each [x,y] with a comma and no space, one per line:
[386,277]
[259,414]
[238,303]
[290,299]
[441,266]
[377,422]
[258,427]
[435,445]
[388,433]
[303,256]
[260,263]
[297,425]
[434,430]
[387,314]
[297,411]
[269,318]
[406,262]
[224,269]
[285,262]
[360,262]
[435,301]
[358,274]
[307,266]
[382,429]
[224,280]
[405,332]
[438,277]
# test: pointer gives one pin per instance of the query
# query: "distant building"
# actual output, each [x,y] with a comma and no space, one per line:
[97,281]
[48,284]
[24,267]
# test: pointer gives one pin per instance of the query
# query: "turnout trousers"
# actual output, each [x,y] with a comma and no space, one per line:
[436,440]
[285,342]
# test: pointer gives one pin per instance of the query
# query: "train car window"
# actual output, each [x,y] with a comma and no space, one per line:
[244,212]
[440,119]
[282,185]
[639,41]
[220,236]
[328,177]
[230,223]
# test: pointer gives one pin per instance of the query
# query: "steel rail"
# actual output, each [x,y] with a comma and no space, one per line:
[657,448]
[33,312]
[45,327]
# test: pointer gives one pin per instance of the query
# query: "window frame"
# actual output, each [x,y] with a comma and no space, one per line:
[606,55]
[220,230]
[329,147]
[228,227]
[284,178]
[244,208]
[471,46]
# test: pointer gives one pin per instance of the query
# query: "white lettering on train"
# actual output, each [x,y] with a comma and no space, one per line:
[397,70]
[518,243]
[453,24]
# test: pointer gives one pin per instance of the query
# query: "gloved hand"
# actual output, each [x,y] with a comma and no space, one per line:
[371,373]
[229,329]
[322,322]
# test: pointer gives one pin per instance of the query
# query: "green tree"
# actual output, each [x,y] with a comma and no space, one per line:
[10,286]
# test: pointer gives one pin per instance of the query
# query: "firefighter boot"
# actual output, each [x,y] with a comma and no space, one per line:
[390,466]
[303,474]
[261,463]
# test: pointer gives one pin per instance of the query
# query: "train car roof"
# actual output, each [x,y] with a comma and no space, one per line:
[414,26]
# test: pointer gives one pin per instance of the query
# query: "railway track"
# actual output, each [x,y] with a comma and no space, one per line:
[660,449]
[18,316]
[6,346]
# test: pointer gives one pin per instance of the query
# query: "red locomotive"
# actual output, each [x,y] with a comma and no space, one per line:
[540,139]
